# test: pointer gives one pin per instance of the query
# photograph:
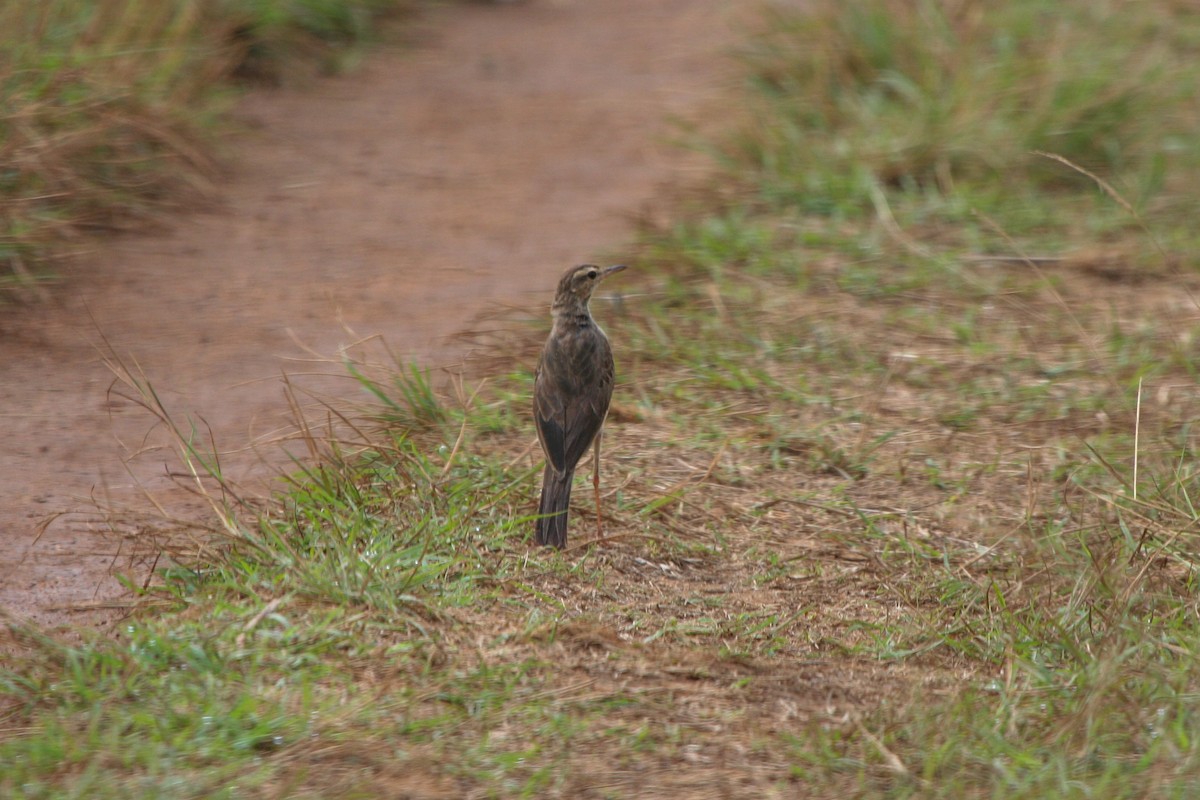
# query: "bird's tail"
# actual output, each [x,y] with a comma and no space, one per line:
[556,498]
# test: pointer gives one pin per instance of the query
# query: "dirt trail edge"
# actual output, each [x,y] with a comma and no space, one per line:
[401,200]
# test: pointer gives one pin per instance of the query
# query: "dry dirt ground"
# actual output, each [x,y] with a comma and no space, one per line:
[404,199]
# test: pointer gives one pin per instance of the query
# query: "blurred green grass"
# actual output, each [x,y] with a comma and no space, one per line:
[107,108]
[943,108]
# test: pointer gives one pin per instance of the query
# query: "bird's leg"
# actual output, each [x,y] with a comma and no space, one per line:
[596,484]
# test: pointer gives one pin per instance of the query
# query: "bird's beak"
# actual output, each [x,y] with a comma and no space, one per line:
[610,270]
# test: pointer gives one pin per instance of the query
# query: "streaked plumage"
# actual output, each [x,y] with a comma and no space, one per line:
[571,393]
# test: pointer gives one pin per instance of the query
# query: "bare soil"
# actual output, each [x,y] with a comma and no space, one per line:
[402,200]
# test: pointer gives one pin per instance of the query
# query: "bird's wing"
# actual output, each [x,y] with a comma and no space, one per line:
[569,412]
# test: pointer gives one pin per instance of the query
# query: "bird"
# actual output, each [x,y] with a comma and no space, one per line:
[572,388]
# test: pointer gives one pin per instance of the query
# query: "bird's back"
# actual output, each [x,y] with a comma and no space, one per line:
[572,390]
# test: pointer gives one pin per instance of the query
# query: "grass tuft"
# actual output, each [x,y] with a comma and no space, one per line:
[947,107]
[107,109]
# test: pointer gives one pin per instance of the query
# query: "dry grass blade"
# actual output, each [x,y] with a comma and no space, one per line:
[1116,196]
[201,467]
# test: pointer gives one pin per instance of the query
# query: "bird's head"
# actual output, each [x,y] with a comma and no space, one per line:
[578,283]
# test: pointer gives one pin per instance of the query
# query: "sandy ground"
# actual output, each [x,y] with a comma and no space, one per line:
[404,199]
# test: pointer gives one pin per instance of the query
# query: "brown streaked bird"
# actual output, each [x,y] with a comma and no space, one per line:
[571,392]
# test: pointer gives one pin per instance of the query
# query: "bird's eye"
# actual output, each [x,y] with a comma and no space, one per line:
[592,274]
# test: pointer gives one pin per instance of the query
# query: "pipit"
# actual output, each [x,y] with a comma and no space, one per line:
[571,392]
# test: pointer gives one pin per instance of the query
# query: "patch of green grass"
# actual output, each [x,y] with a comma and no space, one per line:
[183,709]
[936,112]
[95,125]
[273,34]
[352,570]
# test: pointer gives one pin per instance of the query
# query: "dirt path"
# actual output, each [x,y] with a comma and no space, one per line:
[401,200]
